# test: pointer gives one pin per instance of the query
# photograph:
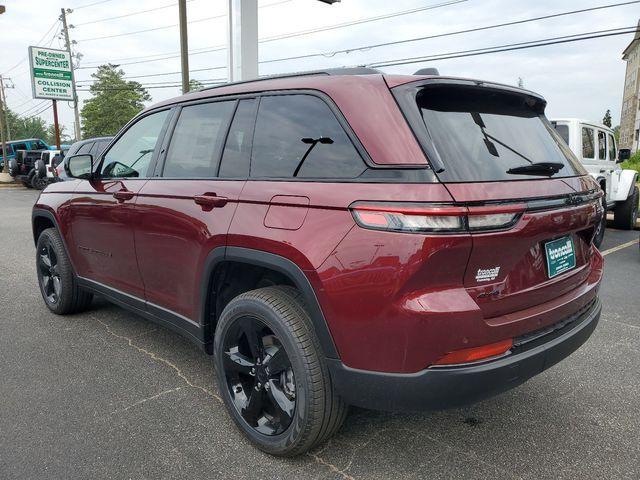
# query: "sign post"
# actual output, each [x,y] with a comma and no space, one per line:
[51,78]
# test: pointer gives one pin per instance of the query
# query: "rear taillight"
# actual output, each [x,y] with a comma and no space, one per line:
[476,354]
[438,218]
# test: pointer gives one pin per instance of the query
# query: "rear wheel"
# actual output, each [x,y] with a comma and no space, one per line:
[626,213]
[271,373]
[58,285]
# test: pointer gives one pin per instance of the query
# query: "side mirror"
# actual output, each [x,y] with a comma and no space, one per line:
[80,166]
[624,154]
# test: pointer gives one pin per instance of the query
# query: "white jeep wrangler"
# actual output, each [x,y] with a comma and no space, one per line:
[594,144]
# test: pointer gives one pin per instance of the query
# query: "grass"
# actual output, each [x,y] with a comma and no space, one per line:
[633,163]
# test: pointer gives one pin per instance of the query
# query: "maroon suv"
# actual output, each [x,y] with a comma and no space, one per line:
[335,238]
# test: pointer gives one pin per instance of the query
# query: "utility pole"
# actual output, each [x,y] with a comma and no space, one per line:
[5,159]
[76,114]
[4,126]
[6,109]
[184,45]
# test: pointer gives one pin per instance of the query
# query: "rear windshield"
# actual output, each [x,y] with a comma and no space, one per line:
[481,134]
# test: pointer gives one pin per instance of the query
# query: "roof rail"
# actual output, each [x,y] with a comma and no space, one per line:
[328,71]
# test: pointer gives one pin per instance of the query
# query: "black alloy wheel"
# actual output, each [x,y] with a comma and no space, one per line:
[259,376]
[48,274]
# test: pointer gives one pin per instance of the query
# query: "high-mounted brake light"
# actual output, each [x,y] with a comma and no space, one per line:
[476,354]
[428,217]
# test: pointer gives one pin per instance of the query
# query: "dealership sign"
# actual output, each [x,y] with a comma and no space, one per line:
[51,74]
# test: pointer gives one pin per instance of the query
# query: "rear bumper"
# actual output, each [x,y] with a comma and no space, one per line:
[446,387]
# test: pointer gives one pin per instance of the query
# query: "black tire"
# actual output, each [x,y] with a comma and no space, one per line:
[39,183]
[13,167]
[29,181]
[625,214]
[317,412]
[600,229]
[58,285]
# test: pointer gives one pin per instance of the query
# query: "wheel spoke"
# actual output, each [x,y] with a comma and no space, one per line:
[45,260]
[57,287]
[254,338]
[283,407]
[235,362]
[46,284]
[277,361]
[253,408]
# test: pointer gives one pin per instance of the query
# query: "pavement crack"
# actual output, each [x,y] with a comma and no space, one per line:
[158,359]
[144,400]
[330,466]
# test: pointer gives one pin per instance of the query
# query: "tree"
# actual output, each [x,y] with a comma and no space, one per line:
[26,127]
[114,102]
[195,85]
[616,133]
[520,82]
[607,118]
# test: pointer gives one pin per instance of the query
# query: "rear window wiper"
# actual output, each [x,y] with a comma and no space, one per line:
[539,168]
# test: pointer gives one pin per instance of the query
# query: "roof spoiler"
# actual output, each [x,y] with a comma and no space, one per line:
[427,71]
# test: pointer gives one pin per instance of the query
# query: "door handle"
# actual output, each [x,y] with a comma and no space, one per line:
[123,195]
[210,200]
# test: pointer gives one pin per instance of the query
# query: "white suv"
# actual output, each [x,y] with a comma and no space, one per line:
[595,145]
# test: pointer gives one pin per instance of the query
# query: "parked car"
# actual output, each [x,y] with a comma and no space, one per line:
[595,145]
[398,242]
[93,146]
[25,144]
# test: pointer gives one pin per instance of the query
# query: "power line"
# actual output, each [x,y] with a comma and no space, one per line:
[294,34]
[37,43]
[176,85]
[164,27]
[92,4]
[507,47]
[139,12]
[447,34]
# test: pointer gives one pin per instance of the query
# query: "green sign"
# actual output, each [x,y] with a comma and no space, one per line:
[561,256]
[51,73]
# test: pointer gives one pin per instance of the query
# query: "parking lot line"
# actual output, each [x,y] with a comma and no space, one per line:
[619,247]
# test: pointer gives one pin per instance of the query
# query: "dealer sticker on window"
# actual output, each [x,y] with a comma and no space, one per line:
[561,256]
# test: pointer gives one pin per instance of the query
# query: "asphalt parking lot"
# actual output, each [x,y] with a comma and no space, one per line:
[106,394]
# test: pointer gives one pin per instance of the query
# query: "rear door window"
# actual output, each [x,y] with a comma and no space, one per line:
[482,135]
[298,136]
[613,154]
[602,145]
[197,140]
[237,150]
[588,150]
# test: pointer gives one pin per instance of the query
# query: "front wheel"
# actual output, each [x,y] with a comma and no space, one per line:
[626,213]
[271,373]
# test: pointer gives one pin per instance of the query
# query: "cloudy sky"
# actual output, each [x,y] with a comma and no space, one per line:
[581,79]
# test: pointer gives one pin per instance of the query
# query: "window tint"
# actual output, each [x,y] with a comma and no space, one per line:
[602,145]
[299,136]
[588,150]
[19,146]
[197,139]
[131,154]
[237,150]
[38,145]
[85,148]
[613,154]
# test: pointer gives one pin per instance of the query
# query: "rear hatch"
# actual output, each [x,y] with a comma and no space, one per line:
[532,209]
